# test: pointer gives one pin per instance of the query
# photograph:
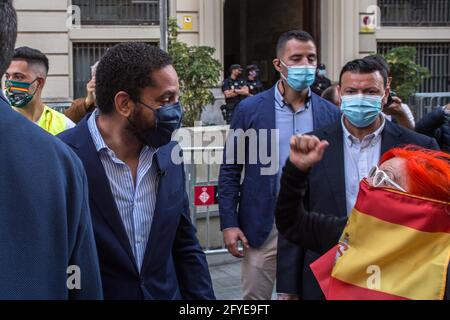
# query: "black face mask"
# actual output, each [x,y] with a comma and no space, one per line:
[168,119]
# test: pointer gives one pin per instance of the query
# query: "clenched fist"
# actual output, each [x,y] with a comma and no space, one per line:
[306,151]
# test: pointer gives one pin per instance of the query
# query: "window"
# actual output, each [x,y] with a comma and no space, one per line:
[435,56]
[84,56]
[118,12]
[415,12]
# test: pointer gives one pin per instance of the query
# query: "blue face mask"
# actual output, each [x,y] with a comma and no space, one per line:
[300,77]
[168,119]
[361,110]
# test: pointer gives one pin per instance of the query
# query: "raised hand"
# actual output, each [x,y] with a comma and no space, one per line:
[306,151]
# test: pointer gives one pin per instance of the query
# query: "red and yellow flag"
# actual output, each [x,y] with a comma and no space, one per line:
[395,246]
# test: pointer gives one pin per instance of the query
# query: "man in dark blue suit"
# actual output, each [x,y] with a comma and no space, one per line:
[262,127]
[146,242]
[356,143]
[47,247]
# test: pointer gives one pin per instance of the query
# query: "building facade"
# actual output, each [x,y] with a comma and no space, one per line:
[75,33]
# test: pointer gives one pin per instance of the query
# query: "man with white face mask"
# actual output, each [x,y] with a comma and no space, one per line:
[357,141]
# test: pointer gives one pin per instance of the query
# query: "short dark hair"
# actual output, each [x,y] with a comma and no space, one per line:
[234,67]
[252,67]
[8,34]
[127,67]
[364,66]
[32,57]
[378,58]
[299,35]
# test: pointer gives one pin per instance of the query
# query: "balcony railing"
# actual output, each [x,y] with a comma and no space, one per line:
[118,12]
[415,12]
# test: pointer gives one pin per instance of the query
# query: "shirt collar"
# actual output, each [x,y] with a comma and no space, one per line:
[372,138]
[95,133]
[279,99]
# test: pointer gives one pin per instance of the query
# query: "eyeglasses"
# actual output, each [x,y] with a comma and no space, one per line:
[380,178]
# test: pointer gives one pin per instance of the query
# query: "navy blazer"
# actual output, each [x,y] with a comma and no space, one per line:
[174,265]
[327,186]
[256,196]
[45,224]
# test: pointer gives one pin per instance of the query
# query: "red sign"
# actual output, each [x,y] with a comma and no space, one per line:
[204,195]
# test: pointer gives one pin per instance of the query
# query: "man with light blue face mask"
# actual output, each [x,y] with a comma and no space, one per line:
[356,143]
[289,108]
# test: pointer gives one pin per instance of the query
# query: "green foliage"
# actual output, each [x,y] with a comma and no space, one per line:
[198,71]
[406,74]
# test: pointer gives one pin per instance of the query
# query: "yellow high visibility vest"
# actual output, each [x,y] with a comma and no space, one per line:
[52,121]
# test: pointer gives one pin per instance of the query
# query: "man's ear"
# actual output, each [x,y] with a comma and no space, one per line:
[277,64]
[386,96]
[41,83]
[123,104]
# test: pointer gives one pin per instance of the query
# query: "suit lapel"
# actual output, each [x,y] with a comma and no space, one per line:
[390,137]
[162,199]
[100,191]
[319,120]
[266,112]
[334,166]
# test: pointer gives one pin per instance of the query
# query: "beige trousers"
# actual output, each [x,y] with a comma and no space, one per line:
[259,269]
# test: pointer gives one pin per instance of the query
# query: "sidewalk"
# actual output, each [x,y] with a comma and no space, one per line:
[226,276]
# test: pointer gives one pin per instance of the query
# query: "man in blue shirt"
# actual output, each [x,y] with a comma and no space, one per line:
[275,115]
[145,239]
[47,247]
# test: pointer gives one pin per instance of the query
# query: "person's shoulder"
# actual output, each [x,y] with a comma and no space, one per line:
[324,103]
[331,129]
[18,133]
[262,97]
[72,135]
[171,154]
[410,136]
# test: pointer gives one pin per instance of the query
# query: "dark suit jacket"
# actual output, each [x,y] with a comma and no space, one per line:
[174,265]
[45,224]
[318,232]
[327,187]
[256,196]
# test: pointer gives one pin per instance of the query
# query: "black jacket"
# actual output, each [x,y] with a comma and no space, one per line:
[313,231]
[326,194]
[437,125]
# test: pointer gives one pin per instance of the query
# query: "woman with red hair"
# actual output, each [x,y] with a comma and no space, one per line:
[410,171]
[424,173]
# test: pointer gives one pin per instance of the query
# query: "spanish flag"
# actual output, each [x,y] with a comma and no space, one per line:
[395,246]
